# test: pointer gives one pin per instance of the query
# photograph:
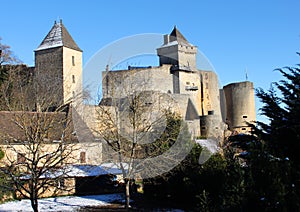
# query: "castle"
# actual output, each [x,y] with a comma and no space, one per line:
[208,110]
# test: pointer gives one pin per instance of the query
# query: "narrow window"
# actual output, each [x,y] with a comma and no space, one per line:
[61,183]
[21,158]
[243,128]
[82,157]
[73,78]
[73,60]
[245,117]
[48,157]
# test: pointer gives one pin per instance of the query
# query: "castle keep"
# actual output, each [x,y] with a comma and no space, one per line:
[208,110]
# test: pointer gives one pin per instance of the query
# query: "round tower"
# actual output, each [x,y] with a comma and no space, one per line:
[240,106]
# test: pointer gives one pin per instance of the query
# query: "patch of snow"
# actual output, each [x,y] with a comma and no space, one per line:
[209,147]
[53,39]
[114,168]
[175,42]
[210,144]
[68,203]
[83,171]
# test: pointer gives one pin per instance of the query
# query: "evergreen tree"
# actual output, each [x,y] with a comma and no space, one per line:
[283,111]
[282,134]
[270,155]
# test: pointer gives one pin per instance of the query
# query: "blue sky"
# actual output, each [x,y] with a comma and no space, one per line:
[257,36]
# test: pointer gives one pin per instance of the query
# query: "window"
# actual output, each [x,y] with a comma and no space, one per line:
[244,117]
[243,128]
[210,112]
[21,158]
[48,156]
[82,157]
[73,60]
[73,78]
[60,183]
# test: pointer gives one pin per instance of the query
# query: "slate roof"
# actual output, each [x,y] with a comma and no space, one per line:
[176,35]
[58,36]
[175,38]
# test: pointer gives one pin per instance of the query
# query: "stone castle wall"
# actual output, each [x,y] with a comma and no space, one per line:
[49,74]
[240,105]
[72,73]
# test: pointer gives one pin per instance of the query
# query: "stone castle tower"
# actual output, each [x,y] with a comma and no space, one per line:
[203,105]
[240,107]
[58,60]
[177,51]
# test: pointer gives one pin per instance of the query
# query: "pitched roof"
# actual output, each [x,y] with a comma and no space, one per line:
[14,123]
[176,35]
[58,36]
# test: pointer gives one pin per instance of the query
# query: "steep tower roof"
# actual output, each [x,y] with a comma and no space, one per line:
[58,36]
[176,35]
[177,51]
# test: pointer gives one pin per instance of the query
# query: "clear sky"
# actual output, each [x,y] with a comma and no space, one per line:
[253,35]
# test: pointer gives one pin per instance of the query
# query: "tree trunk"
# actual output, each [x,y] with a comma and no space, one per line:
[34,204]
[127,193]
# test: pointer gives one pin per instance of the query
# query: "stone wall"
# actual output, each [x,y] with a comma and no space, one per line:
[72,74]
[60,72]
[240,105]
[49,74]
[211,93]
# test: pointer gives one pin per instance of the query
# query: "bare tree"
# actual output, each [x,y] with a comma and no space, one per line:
[8,64]
[134,121]
[35,163]
[36,135]
[6,55]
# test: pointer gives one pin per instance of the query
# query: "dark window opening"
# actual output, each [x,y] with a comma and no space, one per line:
[21,158]
[245,117]
[243,128]
[82,157]
[48,157]
[73,78]
[73,60]
[61,183]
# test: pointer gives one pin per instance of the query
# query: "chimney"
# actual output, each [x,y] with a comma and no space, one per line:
[166,39]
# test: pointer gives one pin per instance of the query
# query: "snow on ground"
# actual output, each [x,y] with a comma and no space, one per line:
[68,203]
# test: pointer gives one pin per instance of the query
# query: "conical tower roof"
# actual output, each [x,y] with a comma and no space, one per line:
[176,35]
[58,36]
